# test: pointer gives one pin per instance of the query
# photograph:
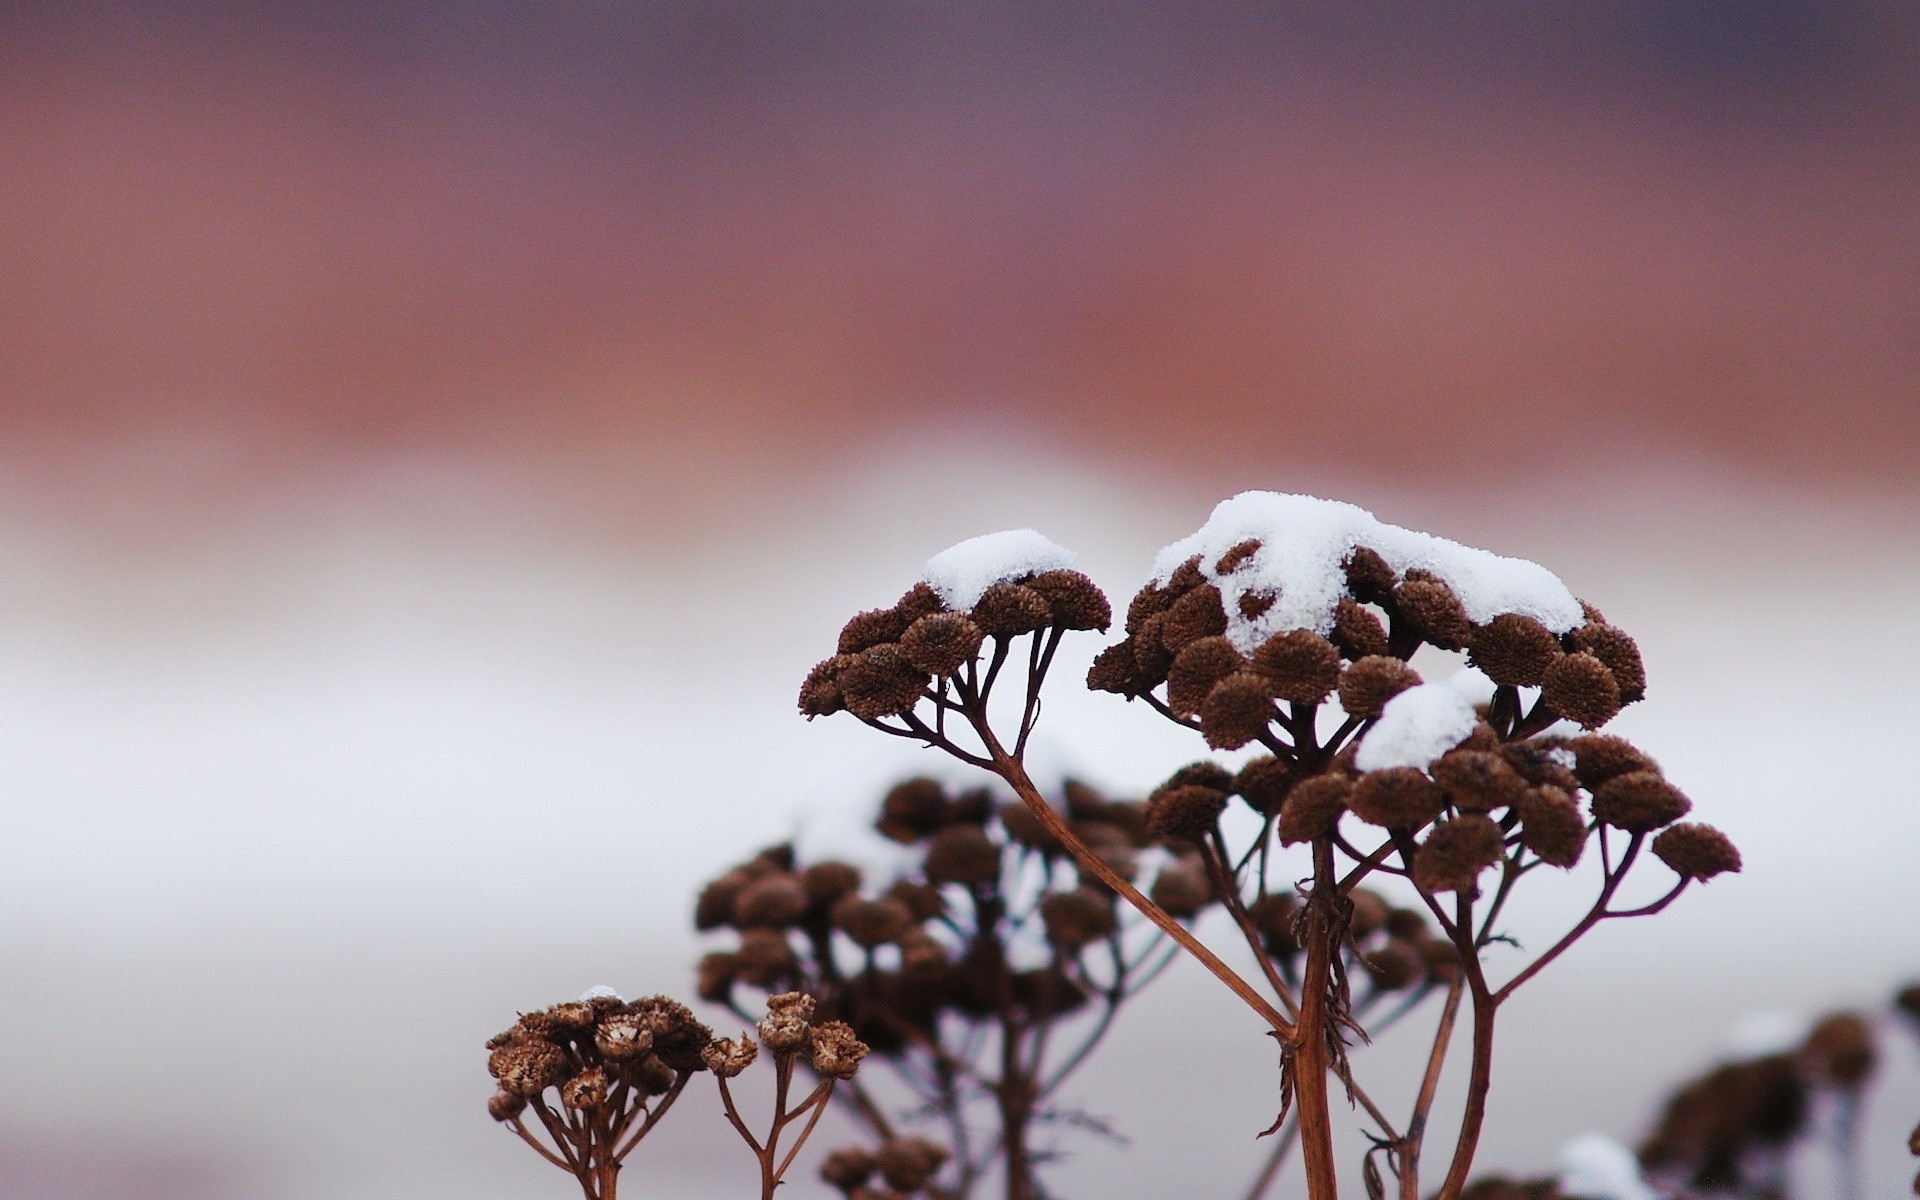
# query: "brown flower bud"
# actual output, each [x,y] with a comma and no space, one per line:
[1236,554]
[834,1051]
[847,1168]
[764,958]
[1551,825]
[504,1105]
[872,923]
[1312,810]
[962,854]
[1696,851]
[1477,781]
[1367,685]
[826,882]
[714,908]
[1398,798]
[1301,667]
[772,902]
[1025,828]
[1395,965]
[528,1067]
[1150,601]
[1199,665]
[1598,757]
[1841,1051]
[1357,631]
[912,809]
[1185,812]
[919,600]
[869,629]
[713,977]
[1077,917]
[1580,688]
[909,1163]
[922,899]
[1151,658]
[941,643]
[585,1091]
[1182,887]
[1638,802]
[1435,612]
[727,1057]
[1537,763]
[785,1025]
[879,682]
[1369,577]
[1236,711]
[1514,650]
[1113,671]
[1263,783]
[1076,601]
[820,693]
[1455,853]
[1617,649]
[1367,915]
[619,1035]
[1011,609]
[1195,615]
[1273,915]
[1186,577]
[1204,773]
[1254,603]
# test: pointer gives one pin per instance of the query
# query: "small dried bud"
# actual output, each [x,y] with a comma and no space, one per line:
[1273,916]
[1204,773]
[618,1035]
[1077,917]
[785,1025]
[1236,711]
[764,958]
[1025,828]
[714,908]
[872,923]
[869,629]
[1398,798]
[879,682]
[1405,923]
[962,854]
[909,1163]
[834,1051]
[1077,602]
[1313,809]
[1638,802]
[1477,781]
[919,600]
[727,1057]
[1617,649]
[922,900]
[1047,992]
[1185,578]
[713,978]
[1185,812]
[504,1105]
[1513,650]
[941,643]
[826,882]
[1841,1051]
[1151,658]
[1263,783]
[1367,914]
[1455,853]
[847,1168]
[1113,671]
[971,807]
[1395,965]
[1199,665]
[1369,577]
[1551,825]
[1150,601]
[1696,851]
[1011,609]
[1598,757]
[1195,615]
[1236,554]
[1301,667]
[1357,631]
[587,1090]
[771,902]
[1182,887]
[1367,685]
[912,809]
[1580,688]
[1435,611]
[820,692]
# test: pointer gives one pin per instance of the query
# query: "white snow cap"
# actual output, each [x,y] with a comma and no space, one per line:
[960,573]
[1304,540]
[601,992]
[1416,727]
[1595,1167]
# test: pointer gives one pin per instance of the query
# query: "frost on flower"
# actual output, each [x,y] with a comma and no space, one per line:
[601,992]
[1303,542]
[961,573]
[1416,727]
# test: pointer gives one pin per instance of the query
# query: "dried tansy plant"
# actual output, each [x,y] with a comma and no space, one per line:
[1285,626]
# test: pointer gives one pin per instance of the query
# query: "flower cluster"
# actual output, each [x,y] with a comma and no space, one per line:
[899,1168]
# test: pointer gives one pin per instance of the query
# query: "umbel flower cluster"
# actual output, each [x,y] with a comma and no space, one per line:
[1286,627]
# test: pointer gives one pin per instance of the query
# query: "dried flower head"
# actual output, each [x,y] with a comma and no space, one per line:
[941,643]
[1076,601]
[1435,611]
[1011,609]
[1614,647]
[1580,688]
[505,1105]
[619,1036]
[1394,964]
[1273,916]
[912,810]
[1841,1051]
[585,1091]
[785,1026]
[1195,615]
[1696,851]
[872,923]
[771,902]
[1077,917]
[1367,685]
[880,682]
[869,629]
[1455,853]
[1397,798]
[1182,887]
[1236,711]
[834,1051]
[1598,757]
[826,882]
[764,958]
[1551,825]
[961,854]
[1312,809]
[1514,650]
[820,694]
[528,1066]
[1301,667]
[1357,631]
[1193,672]
[1639,802]
[1184,812]
[847,1168]
[909,1163]
[1369,577]
[1113,671]
[727,1057]
[1478,781]
[1263,783]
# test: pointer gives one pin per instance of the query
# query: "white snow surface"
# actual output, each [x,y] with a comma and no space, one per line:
[1472,683]
[601,991]
[1303,541]
[1416,727]
[960,573]
[1594,1166]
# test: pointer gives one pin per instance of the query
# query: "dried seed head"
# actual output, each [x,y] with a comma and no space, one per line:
[1514,650]
[1149,601]
[826,882]
[912,809]
[1405,923]
[1455,853]
[1113,671]
[1312,809]
[573,1016]
[920,950]
[618,1035]
[820,693]
[1638,802]
[1538,763]
[922,899]
[1598,757]
[872,923]
[1301,667]
[834,1051]
[764,958]
[1130,817]
[1236,554]
[941,643]
[1076,601]
[1435,611]
[1023,827]
[785,1025]
[1236,711]
[1077,917]
[869,629]
[1367,685]
[1357,631]
[714,908]
[1199,665]
[1369,577]
[504,1105]
[1011,609]
[727,1057]
[879,682]
[1397,798]
[771,902]
[962,854]
[1185,578]
[678,1035]
[1907,1000]
[585,1091]
[1442,958]
[1084,801]
[1579,687]
[713,977]
[971,807]
[1551,825]
[1195,615]
[1263,783]
[1182,887]
[1254,603]
[1395,965]
[1273,915]
[847,1168]
[919,600]
[1617,649]
[909,1163]
[1477,781]
[527,1067]
[1151,658]
[1367,914]
[1184,812]
[1841,1051]
[1696,851]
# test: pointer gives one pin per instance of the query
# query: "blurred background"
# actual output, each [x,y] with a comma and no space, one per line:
[436,438]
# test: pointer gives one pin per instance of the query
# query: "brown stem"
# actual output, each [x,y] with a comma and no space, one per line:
[1311,1049]
[1409,1154]
[1479,1081]
[1214,854]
